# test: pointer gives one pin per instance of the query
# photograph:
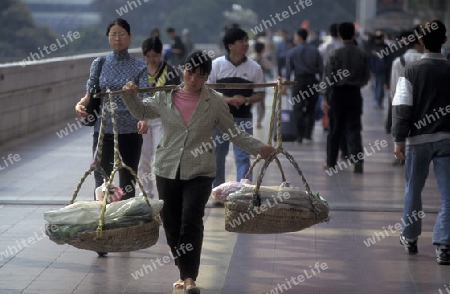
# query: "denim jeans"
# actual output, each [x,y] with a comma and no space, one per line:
[241,158]
[379,89]
[418,159]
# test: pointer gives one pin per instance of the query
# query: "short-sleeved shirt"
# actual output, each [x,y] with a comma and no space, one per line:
[248,71]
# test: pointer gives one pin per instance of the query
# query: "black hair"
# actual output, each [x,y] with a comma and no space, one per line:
[302,33]
[259,47]
[152,43]
[405,35]
[233,35]
[433,38]
[346,31]
[170,30]
[120,22]
[198,59]
[334,30]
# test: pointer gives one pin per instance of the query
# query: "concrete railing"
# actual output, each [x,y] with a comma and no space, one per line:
[44,92]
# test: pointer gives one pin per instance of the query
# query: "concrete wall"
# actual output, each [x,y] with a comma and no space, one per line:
[40,94]
[44,93]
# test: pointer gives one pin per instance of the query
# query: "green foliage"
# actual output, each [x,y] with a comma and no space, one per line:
[19,35]
[205,19]
[90,38]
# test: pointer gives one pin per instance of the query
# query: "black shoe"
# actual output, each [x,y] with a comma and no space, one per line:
[102,254]
[443,254]
[410,247]
[358,168]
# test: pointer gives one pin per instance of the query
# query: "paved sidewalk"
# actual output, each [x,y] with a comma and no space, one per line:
[355,252]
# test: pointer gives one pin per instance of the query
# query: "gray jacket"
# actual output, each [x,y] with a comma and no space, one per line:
[190,147]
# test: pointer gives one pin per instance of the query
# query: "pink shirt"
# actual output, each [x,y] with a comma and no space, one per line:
[185,103]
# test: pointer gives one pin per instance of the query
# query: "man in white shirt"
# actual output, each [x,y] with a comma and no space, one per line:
[236,67]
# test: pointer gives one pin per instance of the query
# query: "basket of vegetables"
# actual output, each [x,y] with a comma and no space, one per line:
[127,225]
[101,226]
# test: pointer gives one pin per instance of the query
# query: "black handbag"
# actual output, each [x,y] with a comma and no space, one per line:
[93,105]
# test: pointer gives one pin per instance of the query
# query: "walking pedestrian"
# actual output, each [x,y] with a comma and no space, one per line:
[118,68]
[413,53]
[159,74]
[184,160]
[305,61]
[236,67]
[344,106]
[421,128]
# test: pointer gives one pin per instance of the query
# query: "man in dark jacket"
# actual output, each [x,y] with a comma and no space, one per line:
[345,101]
[305,61]
[421,128]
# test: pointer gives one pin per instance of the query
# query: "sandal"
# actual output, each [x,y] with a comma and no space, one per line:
[190,287]
[178,285]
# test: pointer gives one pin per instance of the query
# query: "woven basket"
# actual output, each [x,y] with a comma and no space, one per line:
[281,218]
[119,240]
[248,217]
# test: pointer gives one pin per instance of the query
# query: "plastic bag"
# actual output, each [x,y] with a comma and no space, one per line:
[133,207]
[81,212]
[85,212]
[115,193]
[221,192]
[121,214]
[272,195]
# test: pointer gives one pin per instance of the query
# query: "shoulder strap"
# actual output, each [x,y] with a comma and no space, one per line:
[161,70]
[402,60]
[99,70]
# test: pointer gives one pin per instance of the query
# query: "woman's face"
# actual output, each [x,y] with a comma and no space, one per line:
[118,37]
[194,81]
[153,59]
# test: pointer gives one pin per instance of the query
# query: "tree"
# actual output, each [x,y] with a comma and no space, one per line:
[19,34]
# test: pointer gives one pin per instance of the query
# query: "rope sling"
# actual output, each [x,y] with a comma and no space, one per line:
[115,240]
[131,238]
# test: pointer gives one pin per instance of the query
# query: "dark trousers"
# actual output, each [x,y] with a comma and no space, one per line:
[345,119]
[305,105]
[130,149]
[343,143]
[281,63]
[388,124]
[182,216]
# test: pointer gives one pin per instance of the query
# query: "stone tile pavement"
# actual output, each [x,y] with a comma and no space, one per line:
[363,207]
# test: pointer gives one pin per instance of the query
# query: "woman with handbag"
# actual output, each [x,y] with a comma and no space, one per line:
[113,72]
[184,161]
